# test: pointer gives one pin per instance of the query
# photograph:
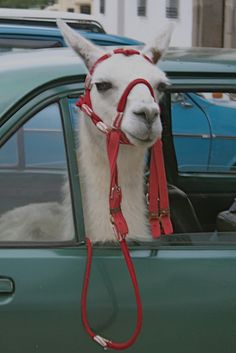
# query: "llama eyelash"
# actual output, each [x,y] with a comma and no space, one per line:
[103,86]
[161,88]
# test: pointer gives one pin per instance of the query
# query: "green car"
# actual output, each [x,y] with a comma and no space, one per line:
[187,279]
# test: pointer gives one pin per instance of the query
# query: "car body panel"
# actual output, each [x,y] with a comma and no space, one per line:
[189,297]
[63,63]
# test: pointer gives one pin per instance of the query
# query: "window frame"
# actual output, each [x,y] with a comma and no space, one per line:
[55,94]
[102,7]
[142,8]
[172,9]
[217,85]
[85,8]
[20,113]
[27,42]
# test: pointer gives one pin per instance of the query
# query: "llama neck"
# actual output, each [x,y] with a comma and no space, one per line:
[95,182]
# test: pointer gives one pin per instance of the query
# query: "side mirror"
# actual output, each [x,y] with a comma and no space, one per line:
[186,104]
[181,99]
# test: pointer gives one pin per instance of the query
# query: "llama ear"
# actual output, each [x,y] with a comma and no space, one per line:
[158,46]
[88,51]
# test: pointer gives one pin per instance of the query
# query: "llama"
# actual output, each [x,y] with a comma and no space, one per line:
[140,124]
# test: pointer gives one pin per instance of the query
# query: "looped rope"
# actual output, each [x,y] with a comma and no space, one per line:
[105,343]
[158,195]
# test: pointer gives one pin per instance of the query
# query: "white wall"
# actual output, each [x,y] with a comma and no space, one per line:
[109,19]
[144,28]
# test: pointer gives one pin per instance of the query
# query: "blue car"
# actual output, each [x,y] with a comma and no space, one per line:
[15,37]
[204,131]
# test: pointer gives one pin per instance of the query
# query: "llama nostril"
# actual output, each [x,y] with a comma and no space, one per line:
[141,115]
[149,115]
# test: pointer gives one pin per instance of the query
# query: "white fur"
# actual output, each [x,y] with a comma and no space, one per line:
[141,124]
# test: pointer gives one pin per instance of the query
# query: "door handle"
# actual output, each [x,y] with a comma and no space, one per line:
[6,285]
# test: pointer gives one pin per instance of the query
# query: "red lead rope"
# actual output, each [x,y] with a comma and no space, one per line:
[105,343]
[158,197]
[120,230]
[117,219]
[159,213]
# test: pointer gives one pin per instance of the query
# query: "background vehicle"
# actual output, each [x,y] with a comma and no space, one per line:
[25,37]
[48,19]
[209,117]
[187,280]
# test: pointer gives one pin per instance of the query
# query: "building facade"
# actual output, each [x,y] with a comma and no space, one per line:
[207,23]
[141,19]
[214,23]
[81,6]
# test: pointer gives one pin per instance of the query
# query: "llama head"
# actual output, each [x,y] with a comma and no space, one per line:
[141,119]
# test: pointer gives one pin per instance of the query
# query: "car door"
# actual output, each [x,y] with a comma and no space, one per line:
[40,279]
[221,109]
[192,131]
[187,288]
[212,188]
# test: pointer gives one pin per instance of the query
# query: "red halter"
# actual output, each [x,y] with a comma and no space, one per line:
[158,194]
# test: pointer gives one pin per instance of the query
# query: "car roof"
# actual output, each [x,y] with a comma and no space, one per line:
[25,72]
[46,17]
[43,14]
[97,38]
[201,60]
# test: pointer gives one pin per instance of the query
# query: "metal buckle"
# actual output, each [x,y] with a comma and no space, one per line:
[117,122]
[118,236]
[88,81]
[115,210]
[102,127]
[164,212]
[158,215]
[154,215]
[102,341]
[115,188]
[87,110]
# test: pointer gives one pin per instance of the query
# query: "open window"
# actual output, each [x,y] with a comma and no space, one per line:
[33,179]
[204,141]
[204,123]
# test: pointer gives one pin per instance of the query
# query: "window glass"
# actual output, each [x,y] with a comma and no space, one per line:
[204,123]
[172,9]
[142,7]
[102,6]
[9,155]
[34,189]
[18,44]
[46,126]
[84,8]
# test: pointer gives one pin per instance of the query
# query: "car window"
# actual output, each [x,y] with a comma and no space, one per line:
[19,44]
[33,179]
[84,25]
[204,123]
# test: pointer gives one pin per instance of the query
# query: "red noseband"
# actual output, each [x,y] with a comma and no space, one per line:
[85,104]
[158,194]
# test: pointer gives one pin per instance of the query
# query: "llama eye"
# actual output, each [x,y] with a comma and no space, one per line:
[162,86]
[103,86]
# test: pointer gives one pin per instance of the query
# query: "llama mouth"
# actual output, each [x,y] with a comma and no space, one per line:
[139,139]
